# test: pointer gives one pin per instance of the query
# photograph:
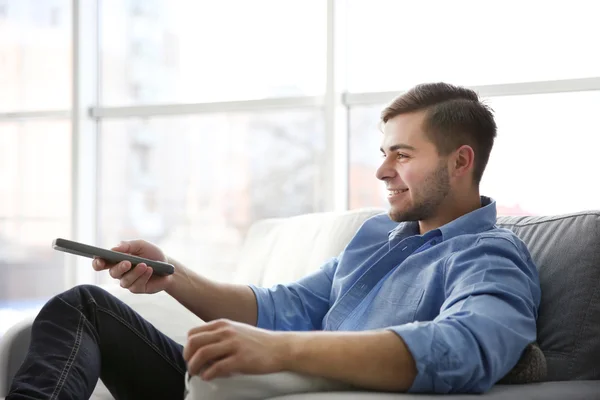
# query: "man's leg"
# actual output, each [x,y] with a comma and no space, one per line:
[86,333]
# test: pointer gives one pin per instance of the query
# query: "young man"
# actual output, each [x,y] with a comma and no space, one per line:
[432,297]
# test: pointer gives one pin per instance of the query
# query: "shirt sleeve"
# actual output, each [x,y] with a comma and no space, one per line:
[487,320]
[298,306]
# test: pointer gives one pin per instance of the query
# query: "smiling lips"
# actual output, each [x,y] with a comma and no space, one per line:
[396,192]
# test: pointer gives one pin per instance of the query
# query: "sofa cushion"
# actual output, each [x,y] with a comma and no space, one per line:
[13,348]
[282,250]
[566,250]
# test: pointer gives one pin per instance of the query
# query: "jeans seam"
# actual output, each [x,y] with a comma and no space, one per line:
[139,335]
[70,360]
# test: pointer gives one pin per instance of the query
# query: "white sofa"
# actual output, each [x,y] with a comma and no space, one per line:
[565,248]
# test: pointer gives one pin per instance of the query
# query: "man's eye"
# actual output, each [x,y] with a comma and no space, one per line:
[401,156]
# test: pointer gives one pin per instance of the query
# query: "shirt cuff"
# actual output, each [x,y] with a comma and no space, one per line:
[419,338]
[265,311]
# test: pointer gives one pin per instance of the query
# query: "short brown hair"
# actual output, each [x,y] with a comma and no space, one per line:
[455,117]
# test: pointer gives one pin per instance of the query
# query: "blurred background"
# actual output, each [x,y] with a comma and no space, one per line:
[183,122]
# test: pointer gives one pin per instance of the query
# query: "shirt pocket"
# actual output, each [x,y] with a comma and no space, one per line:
[399,301]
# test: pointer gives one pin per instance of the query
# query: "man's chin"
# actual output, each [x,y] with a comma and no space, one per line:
[398,216]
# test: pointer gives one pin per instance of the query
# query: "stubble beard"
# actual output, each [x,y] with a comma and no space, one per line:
[426,201]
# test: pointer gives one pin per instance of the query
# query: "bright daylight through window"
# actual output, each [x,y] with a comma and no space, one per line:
[206,120]
[35,155]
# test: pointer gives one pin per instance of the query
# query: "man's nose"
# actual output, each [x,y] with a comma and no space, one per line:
[385,171]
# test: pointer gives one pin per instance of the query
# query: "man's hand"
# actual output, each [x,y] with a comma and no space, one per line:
[222,347]
[140,278]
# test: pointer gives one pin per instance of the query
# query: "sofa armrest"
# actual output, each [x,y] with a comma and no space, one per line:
[13,348]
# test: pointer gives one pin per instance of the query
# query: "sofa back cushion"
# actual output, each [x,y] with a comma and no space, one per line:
[566,250]
[282,250]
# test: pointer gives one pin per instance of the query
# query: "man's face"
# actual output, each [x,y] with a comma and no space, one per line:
[415,175]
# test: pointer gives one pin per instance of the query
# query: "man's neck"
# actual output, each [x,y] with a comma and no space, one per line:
[453,209]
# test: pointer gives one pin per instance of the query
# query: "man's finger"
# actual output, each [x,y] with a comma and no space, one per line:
[139,285]
[122,247]
[130,277]
[98,264]
[197,341]
[221,369]
[207,354]
[130,246]
[118,270]
[210,326]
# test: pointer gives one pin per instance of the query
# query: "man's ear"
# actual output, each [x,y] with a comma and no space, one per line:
[464,161]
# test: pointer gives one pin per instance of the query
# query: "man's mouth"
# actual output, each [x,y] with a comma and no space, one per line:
[394,192]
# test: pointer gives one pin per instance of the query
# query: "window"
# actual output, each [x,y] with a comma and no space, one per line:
[545,157]
[209,178]
[55,16]
[394,45]
[544,160]
[194,183]
[212,51]
[365,190]
[37,71]
[35,204]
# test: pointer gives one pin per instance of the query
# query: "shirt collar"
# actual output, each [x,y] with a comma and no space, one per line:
[479,220]
[404,229]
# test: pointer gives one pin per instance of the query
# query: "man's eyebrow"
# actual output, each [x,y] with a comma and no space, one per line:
[399,147]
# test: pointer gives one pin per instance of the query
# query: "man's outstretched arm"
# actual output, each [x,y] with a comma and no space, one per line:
[211,300]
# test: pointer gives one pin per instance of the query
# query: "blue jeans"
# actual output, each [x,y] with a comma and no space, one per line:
[86,333]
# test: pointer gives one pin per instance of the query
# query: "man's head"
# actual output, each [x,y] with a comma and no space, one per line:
[436,144]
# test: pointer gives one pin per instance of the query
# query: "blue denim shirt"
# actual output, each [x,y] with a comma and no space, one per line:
[464,297]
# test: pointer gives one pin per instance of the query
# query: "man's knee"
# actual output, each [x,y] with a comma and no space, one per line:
[81,295]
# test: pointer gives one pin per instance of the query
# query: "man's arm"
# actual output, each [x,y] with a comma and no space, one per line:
[487,320]
[377,360]
[207,299]
[211,300]
[300,305]
[297,306]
